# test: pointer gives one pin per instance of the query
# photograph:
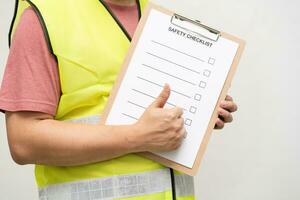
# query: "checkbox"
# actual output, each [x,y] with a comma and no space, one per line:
[188,122]
[197,97]
[193,109]
[211,61]
[202,84]
[207,73]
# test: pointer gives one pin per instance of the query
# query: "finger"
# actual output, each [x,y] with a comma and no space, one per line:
[173,113]
[229,106]
[179,124]
[219,124]
[162,98]
[182,133]
[177,112]
[224,115]
[185,134]
[228,98]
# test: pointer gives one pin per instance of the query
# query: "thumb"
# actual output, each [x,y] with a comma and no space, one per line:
[161,100]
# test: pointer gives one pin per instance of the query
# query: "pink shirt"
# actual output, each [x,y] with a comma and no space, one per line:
[31,80]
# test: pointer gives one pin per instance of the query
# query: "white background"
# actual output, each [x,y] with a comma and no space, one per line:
[256,157]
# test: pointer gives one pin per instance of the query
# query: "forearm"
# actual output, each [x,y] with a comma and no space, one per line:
[58,143]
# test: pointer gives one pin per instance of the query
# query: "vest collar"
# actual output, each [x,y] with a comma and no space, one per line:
[116,19]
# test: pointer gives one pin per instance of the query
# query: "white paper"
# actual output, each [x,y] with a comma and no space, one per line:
[195,72]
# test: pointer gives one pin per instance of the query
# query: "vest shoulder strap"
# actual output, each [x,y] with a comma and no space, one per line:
[21,5]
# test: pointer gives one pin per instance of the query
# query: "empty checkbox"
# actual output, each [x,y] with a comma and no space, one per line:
[188,122]
[202,84]
[193,109]
[197,97]
[206,73]
[211,61]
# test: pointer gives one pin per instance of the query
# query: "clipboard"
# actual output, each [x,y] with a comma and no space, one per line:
[197,28]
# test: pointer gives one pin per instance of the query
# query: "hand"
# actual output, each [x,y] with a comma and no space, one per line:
[227,107]
[160,129]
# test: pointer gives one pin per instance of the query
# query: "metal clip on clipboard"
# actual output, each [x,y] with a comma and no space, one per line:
[195,27]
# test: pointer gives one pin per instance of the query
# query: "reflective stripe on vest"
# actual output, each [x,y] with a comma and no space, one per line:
[86,120]
[122,186]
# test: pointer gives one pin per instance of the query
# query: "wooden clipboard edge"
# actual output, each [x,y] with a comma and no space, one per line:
[222,96]
[190,171]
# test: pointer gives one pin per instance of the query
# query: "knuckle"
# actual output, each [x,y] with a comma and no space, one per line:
[175,137]
[179,111]
[175,146]
[169,116]
[171,135]
[228,97]
[178,125]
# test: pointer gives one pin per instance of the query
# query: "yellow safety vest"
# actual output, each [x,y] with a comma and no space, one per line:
[90,45]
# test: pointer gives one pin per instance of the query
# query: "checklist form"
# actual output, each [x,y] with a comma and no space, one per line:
[195,67]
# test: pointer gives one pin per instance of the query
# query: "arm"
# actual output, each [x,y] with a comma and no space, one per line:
[36,138]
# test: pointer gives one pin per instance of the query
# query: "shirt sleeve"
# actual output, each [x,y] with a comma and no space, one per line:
[30,81]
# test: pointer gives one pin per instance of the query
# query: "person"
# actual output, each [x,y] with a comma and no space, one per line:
[64,58]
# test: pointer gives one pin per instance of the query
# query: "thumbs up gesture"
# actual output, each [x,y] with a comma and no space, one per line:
[159,129]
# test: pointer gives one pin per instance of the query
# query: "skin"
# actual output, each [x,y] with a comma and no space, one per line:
[225,110]
[122,2]
[37,138]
